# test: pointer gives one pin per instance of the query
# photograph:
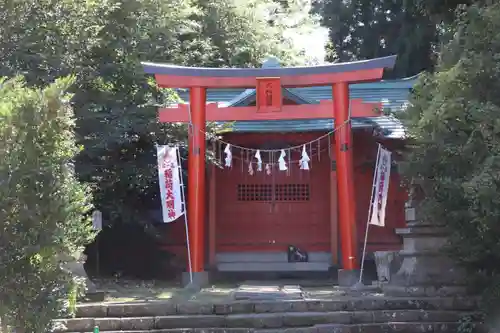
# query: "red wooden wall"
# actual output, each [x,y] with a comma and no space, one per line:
[301,216]
[263,212]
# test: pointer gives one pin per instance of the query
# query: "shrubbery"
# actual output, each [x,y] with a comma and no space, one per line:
[44,209]
[454,121]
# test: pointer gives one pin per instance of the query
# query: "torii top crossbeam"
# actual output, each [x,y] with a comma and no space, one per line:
[172,76]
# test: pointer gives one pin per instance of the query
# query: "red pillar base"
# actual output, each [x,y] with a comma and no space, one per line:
[200,280]
[348,277]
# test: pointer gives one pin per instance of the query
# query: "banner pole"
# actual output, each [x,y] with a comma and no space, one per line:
[190,266]
[370,209]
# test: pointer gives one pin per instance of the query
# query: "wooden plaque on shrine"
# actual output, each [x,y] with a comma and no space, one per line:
[269,97]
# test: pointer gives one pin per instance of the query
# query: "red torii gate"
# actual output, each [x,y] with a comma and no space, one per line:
[269,83]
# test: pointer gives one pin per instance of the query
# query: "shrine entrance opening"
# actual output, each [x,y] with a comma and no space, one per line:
[259,215]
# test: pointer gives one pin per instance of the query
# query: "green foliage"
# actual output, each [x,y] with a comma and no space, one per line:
[444,10]
[412,29]
[244,32]
[468,324]
[102,44]
[44,209]
[454,122]
[364,29]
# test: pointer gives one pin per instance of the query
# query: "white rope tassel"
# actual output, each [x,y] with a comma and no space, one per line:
[304,161]
[268,169]
[229,156]
[259,160]
[250,168]
[281,161]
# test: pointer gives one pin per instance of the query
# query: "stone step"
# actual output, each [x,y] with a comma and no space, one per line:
[390,327]
[424,291]
[372,303]
[257,320]
[273,266]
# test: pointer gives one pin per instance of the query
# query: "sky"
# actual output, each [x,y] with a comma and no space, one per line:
[305,31]
[314,44]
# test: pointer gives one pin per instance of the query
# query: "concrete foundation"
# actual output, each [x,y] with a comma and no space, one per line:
[200,280]
[348,278]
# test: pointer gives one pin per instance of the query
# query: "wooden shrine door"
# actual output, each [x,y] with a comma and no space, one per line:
[262,212]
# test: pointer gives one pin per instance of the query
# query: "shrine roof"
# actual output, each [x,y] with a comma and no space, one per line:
[392,94]
[390,127]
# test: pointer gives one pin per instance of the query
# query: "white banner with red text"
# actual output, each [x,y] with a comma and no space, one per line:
[169,174]
[381,187]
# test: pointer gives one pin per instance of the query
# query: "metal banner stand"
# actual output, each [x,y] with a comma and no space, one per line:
[184,210]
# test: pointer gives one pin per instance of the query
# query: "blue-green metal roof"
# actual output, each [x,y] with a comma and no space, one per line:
[391,128]
[393,94]
[223,96]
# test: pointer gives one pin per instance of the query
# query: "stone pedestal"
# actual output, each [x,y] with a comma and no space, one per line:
[388,263]
[74,265]
[425,268]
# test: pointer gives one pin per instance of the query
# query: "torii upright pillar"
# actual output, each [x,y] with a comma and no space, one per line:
[196,184]
[349,274]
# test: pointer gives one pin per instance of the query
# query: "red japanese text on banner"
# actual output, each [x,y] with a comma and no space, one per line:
[170,183]
[381,187]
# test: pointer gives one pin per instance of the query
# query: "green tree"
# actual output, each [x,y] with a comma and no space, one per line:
[444,11]
[455,156]
[115,121]
[44,209]
[117,118]
[364,29]
[103,42]
[244,32]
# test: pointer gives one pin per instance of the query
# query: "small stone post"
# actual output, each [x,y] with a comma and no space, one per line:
[387,263]
[74,265]
[425,269]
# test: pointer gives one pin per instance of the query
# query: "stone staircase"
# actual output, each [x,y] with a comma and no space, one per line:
[370,314]
[271,262]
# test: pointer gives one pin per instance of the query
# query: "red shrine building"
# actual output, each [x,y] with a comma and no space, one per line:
[245,220]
